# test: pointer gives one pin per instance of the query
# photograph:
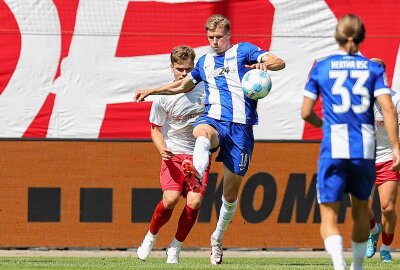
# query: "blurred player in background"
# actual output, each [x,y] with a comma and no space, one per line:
[387,182]
[229,115]
[172,119]
[349,84]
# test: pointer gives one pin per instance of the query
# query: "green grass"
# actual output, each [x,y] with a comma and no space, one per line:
[57,263]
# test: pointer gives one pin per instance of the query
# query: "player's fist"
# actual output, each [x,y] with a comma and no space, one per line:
[396,159]
[262,66]
[166,154]
[140,95]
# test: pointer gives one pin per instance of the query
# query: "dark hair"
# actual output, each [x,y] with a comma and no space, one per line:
[350,32]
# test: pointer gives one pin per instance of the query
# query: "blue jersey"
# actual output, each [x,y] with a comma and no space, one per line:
[348,85]
[222,75]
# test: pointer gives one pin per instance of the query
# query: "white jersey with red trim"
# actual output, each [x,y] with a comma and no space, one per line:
[383,146]
[176,115]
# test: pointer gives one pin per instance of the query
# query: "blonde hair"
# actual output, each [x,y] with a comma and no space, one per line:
[182,52]
[217,20]
[350,32]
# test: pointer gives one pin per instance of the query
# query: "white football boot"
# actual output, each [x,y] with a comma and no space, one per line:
[143,252]
[173,254]
[216,252]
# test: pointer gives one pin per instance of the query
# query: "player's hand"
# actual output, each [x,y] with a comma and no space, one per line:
[396,159]
[140,95]
[166,154]
[262,66]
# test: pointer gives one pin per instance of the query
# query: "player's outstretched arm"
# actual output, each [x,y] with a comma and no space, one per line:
[308,114]
[268,62]
[391,124]
[176,87]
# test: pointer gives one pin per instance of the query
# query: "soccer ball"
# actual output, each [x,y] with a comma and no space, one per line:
[256,83]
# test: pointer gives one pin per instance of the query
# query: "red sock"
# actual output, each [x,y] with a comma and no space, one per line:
[387,238]
[186,222]
[161,216]
[372,223]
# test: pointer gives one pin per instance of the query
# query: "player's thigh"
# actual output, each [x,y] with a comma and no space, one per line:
[208,131]
[388,194]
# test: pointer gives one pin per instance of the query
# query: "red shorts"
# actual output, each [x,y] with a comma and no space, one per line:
[384,172]
[172,178]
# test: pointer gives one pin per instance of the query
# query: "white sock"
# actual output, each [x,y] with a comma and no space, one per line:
[149,234]
[175,243]
[201,154]
[385,247]
[225,217]
[334,247]
[358,252]
[375,229]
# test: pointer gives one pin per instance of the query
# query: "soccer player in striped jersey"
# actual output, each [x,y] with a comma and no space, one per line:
[229,115]
[172,119]
[387,182]
[349,85]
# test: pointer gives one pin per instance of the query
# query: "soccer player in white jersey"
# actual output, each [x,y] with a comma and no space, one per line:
[387,182]
[349,85]
[172,119]
[229,115]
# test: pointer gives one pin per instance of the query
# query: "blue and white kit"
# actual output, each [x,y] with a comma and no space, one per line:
[349,85]
[226,106]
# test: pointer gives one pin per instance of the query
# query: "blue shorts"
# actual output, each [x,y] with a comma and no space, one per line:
[339,176]
[236,143]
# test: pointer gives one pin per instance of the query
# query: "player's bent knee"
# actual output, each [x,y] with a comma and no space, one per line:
[194,205]
[388,210]
[230,198]
[170,202]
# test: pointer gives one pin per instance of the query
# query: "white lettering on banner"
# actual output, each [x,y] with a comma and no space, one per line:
[299,52]
[92,77]
[32,79]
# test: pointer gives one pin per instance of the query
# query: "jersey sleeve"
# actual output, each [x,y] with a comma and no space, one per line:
[255,53]
[312,89]
[195,75]
[380,86]
[158,115]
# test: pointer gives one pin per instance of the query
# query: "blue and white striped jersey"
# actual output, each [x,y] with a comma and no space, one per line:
[349,85]
[222,75]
